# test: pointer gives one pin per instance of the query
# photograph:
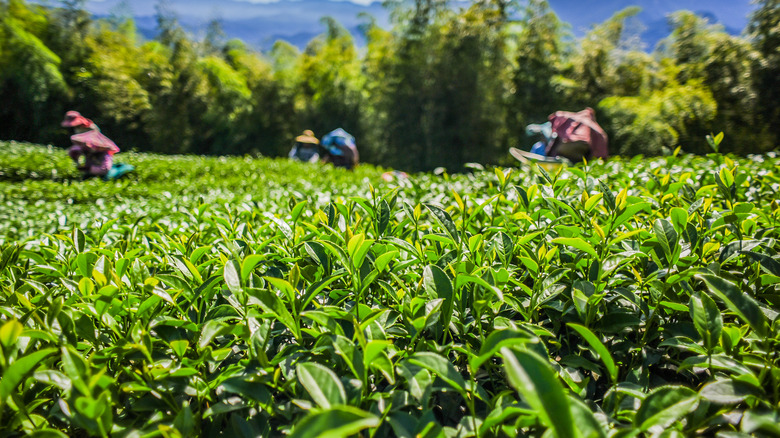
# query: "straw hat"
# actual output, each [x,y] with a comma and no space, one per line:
[307,137]
[74,119]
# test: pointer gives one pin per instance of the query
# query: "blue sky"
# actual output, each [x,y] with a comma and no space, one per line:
[260,22]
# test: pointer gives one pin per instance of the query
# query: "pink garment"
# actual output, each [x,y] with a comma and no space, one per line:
[95,141]
[580,126]
[95,163]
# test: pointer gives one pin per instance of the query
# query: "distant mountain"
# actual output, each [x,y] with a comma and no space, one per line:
[261,22]
[582,14]
[257,24]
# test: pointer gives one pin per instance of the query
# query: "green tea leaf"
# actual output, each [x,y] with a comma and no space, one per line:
[271,303]
[442,367]
[761,420]
[497,340]
[737,301]
[79,240]
[232,278]
[19,369]
[47,433]
[664,406]
[336,422]
[9,333]
[707,319]
[248,265]
[210,330]
[600,349]
[383,217]
[443,218]
[667,237]
[576,242]
[439,285]
[544,173]
[585,422]
[679,219]
[609,197]
[535,379]
[729,391]
[317,252]
[322,384]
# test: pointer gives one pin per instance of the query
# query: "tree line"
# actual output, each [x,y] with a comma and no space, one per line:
[441,87]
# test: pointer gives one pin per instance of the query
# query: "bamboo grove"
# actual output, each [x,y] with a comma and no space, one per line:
[442,86]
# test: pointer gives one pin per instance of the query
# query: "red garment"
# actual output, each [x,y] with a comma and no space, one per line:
[580,126]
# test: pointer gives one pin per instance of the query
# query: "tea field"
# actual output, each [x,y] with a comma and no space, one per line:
[244,297]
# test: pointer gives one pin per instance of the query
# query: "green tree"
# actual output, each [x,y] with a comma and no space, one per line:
[725,64]
[329,82]
[266,124]
[763,30]
[539,54]
[468,106]
[400,68]
[177,87]
[607,50]
[656,121]
[30,79]
[110,82]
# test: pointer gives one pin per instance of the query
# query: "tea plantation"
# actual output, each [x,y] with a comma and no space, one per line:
[245,297]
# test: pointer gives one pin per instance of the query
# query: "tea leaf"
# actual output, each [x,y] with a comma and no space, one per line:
[664,406]
[536,381]
[599,348]
[322,384]
[576,242]
[741,304]
[232,278]
[9,333]
[667,237]
[336,422]
[442,367]
[729,391]
[443,218]
[439,285]
[19,369]
[707,319]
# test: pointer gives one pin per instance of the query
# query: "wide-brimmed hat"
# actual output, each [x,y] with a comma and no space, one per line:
[307,137]
[74,118]
[96,141]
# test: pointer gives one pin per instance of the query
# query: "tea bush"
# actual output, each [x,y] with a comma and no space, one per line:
[256,297]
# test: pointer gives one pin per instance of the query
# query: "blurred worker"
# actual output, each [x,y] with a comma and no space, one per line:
[339,149]
[577,136]
[306,148]
[91,151]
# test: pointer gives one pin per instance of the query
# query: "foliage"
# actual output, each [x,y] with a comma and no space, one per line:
[727,66]
[111,81]
[593,72]
[764,33]
[258,297]
[29,70]
[539,54]
[329,82]
[652,121]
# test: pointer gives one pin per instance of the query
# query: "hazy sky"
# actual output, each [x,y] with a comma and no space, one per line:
[359,2]
[260,22]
